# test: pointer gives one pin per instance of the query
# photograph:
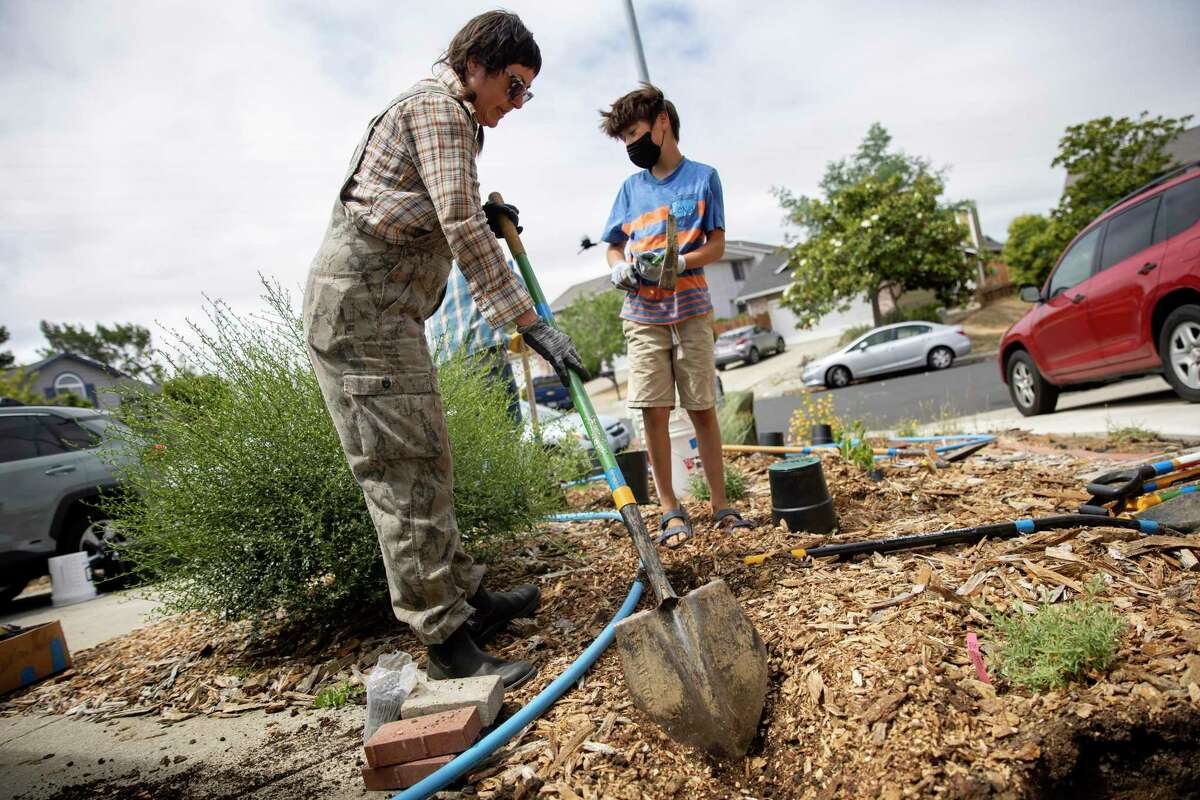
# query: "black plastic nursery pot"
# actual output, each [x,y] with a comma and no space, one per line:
[822,434]
[799,495]
[635,466]
[771,439]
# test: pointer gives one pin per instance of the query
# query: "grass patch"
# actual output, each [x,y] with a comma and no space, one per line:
[1130,434]
[735,485]
[1057,643]
[337,696]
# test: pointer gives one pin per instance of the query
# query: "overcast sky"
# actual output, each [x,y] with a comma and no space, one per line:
[155,152]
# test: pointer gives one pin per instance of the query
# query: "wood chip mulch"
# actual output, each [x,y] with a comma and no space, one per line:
[873,693]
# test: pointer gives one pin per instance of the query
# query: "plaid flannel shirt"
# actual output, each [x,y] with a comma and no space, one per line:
[458,325]
[418,174]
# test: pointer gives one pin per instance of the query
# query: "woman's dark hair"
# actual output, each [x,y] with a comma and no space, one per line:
[642,104]
[494,39]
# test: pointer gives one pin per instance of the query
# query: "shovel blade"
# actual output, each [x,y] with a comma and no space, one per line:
[698,668]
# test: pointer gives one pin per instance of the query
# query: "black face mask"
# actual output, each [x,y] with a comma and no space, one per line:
[644,152]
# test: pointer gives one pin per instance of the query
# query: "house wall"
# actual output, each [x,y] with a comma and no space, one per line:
[722,288]
[97,383]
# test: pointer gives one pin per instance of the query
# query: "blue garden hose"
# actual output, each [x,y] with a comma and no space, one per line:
[481,750]
[960,440]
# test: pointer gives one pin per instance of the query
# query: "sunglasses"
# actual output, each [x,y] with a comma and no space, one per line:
[518,88]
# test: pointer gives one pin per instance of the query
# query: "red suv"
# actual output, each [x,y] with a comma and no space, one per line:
[1123,300]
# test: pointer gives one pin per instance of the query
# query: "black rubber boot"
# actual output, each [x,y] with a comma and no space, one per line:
[494,610]
[460,657]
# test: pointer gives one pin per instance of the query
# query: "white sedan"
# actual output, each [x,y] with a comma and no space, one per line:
[889,348]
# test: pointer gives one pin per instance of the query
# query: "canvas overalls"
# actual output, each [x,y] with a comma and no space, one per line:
[364,308]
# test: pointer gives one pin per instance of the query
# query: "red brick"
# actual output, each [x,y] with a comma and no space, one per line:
[401,776]
[421,737]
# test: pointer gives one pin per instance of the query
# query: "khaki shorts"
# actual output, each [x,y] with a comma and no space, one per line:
[663,358]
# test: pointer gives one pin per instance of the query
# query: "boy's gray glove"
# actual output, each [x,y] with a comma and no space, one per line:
[556,347]
[624,276]
[650,266]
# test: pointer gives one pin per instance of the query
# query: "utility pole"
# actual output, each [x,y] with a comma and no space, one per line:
[643,73]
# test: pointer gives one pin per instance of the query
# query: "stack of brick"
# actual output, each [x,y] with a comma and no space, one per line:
[440,719]
[402,753]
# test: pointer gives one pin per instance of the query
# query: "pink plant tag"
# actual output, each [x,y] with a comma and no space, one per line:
[977,658]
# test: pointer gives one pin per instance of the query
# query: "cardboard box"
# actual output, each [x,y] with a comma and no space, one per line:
[33,654]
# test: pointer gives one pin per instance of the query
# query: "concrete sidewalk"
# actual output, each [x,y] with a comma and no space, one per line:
[85,624]
[315,754]
[1149,404]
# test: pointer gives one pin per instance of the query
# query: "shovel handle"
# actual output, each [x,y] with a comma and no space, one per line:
[621,493]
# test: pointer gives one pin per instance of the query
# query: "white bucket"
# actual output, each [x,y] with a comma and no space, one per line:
[685,456]
[71,579]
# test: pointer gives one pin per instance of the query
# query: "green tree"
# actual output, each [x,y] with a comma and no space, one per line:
[593,322]
[1034,242]
[882,225]
[1105,160]
[124,346]
[6,356]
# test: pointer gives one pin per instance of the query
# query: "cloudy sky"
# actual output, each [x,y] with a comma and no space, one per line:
[155,152]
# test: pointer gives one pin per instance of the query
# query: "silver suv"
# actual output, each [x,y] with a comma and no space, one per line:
[55,463]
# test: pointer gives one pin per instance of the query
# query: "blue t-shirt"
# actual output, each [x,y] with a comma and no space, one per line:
[692,193]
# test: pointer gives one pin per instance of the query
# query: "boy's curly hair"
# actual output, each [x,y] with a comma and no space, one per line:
[644,104]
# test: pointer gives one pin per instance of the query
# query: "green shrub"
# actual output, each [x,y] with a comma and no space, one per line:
[855,448]
[735,415]
[246,506]
[1056,643]
[735,485]
[930,312]
[852,333]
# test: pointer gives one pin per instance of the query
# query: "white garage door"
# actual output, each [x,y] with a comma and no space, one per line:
[784,321]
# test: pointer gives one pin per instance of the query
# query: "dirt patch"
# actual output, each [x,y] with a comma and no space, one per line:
[986,326]
[1139,756]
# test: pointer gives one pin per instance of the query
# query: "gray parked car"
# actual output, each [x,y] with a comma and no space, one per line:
[747,344]
[890,348]
[54,465]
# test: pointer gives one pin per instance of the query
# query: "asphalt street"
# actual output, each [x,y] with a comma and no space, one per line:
[885,402]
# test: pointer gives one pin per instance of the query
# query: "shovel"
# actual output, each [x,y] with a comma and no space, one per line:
[694,664]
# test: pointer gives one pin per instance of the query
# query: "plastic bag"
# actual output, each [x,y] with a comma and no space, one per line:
[388,685]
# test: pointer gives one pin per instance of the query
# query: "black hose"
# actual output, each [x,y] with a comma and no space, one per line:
[998,530]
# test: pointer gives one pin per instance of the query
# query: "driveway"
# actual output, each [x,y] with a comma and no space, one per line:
[1148,404]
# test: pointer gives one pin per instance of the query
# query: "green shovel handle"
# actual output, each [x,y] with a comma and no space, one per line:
[621,493]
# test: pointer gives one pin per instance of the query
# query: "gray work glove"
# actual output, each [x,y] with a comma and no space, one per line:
[494,211]
[624,276]
[556,347]
[650,266]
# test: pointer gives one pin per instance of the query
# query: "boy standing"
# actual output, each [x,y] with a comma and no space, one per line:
[669,330]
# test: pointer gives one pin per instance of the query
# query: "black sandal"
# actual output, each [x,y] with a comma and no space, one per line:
[680,533]
[738,522]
